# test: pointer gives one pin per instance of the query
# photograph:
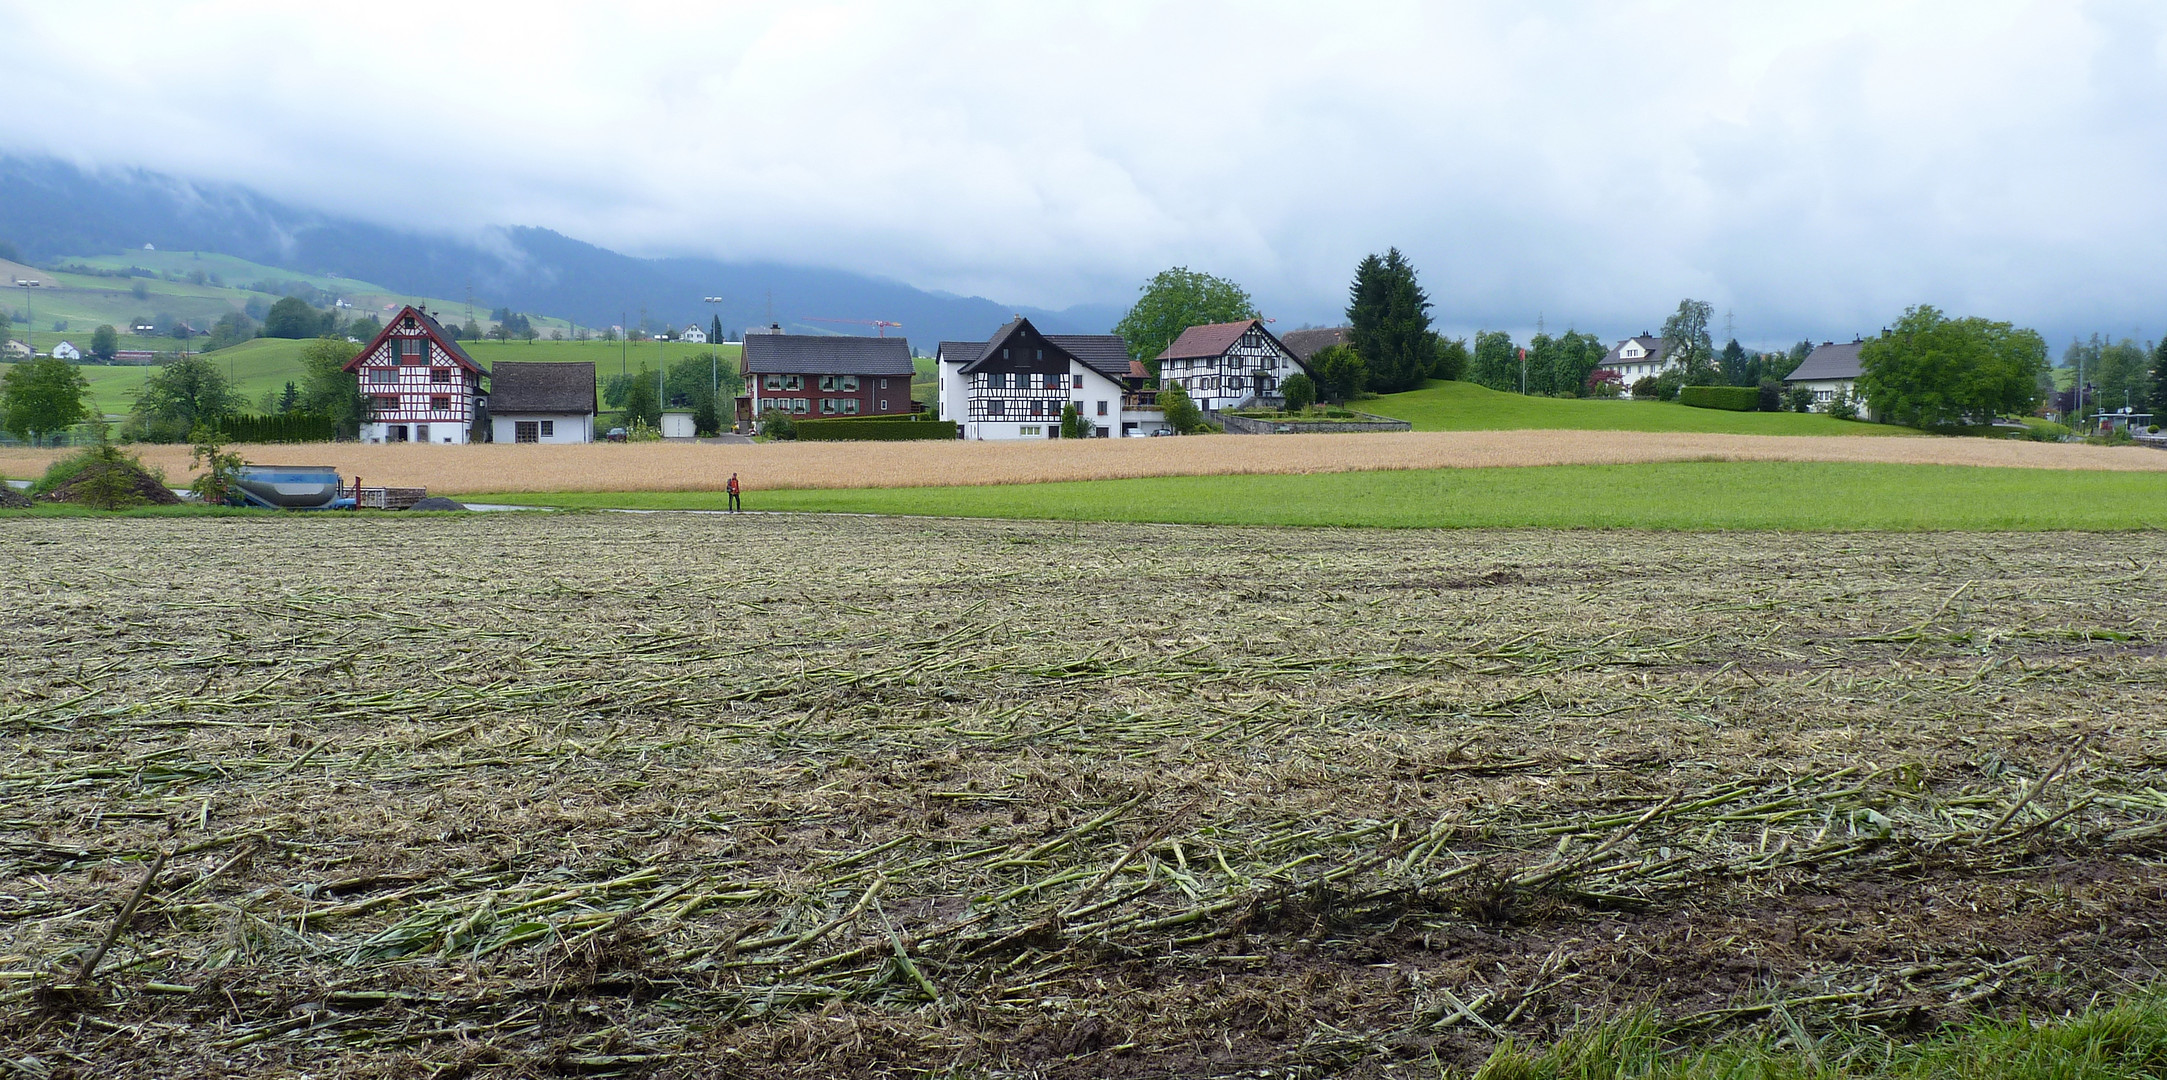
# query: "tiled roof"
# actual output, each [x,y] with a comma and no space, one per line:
[1107,354]
[961,352]
[1210,339]
[517,386]
[1835,360]
[1653,344]
[815,354]
[1307,343]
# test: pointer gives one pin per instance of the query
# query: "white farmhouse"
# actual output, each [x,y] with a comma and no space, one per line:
[1015,385]
[66,350]
[1829,370]
[541,402]
[1637,358]
[1230,365]
[419,384]
[693,335]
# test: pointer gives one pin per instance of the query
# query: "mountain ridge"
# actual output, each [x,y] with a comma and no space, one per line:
[50,209]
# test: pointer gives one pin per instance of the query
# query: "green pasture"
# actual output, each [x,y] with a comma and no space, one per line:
[1465,406]
[1684,496]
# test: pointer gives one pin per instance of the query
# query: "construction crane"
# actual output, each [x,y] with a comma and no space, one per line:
[882,324]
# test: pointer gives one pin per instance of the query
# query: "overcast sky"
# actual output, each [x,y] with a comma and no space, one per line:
[1813,167]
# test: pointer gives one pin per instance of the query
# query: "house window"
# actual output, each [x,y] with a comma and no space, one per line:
[1031,430]
[883,404]
[772,382]
[827,382]
[386,403]
[382,375]
[440,404]
[440,375]
[549,429]
[827,406]
[884,386]
[1038,381]
[850,406]
[801,405]
[421,433]
[996,408]
[526,431]
[1102,408]
[410,351]
[794,382]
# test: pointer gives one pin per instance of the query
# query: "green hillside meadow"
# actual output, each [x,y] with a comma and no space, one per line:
[1465,406]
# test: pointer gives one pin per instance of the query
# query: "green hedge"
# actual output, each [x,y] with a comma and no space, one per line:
[1734,398]
[285,428]
[874,429]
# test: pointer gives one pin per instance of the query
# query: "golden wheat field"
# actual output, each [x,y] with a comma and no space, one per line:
[700,467]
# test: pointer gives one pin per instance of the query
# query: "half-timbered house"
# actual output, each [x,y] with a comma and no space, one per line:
[419,384]
[1015,385]
[1229,365]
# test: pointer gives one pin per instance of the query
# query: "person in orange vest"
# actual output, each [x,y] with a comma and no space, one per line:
[732,489]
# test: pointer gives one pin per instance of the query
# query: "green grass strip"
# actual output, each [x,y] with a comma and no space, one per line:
[1465,406]
[1690,496]
[2123,1042]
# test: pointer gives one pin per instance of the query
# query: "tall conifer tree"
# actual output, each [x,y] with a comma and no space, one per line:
[1388,323]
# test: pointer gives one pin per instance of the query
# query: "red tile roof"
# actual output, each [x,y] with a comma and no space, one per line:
[1211,339]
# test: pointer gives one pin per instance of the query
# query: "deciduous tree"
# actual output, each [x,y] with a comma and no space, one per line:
[329,390]
[187,392]
[2159,382]
[1388,323]
[1497,361]
[1181,413]
[1686,344]
[1300,391]
[41,397]
[1175,300]
[1341,372]
[1934,370]
[104,344]
[292,318]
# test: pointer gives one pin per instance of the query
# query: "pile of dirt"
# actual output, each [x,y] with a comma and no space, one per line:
[133,485]
[11,499]
[437,502]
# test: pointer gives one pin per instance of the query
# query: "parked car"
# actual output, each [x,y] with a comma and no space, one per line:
[1162,431]
[616,434]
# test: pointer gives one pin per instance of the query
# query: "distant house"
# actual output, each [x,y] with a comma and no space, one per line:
[1305,344]
[1636,358]
[66,350]
[144,329]
[817,375]
[1229,365]
[420,385]
[1829,370]
[1015,385]
[694,335]
[541,402]
[15,350]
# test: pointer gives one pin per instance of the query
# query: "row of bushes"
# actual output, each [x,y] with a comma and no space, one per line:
[872,429]
[282,428]
[1734,398]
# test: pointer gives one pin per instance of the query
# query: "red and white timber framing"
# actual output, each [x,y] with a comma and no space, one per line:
[419,384]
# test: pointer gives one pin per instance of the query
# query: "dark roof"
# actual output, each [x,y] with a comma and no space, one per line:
[1307,343]
[520,387]
[1830,361]
[961,352]
[817,354]
[1107,354]
[1653,344]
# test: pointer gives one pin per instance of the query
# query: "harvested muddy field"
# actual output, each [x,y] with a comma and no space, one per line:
[513,795]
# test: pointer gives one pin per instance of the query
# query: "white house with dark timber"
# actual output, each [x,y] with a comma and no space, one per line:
[419,384]
[541,403]
[1015,384]
[1230,365]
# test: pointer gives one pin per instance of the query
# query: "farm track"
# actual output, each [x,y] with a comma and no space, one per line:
[776,796]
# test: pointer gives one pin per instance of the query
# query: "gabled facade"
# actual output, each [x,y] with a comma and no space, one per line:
[1230,365]
[1636,358]
[821,376]
[1015,385]
[66,350]
[420,385]
[693,335]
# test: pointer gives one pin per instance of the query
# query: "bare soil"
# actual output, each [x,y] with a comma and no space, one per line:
[798,797]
